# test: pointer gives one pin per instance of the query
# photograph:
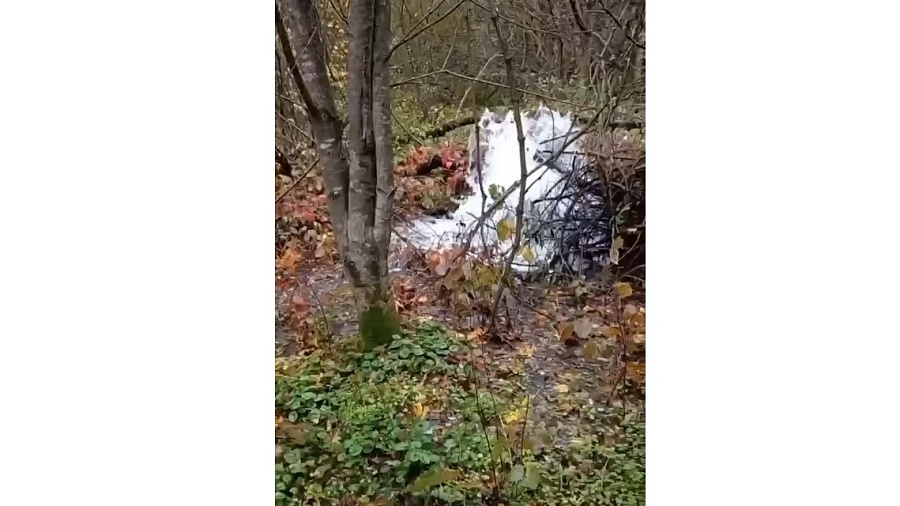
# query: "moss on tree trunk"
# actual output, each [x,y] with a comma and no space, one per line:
[377,319]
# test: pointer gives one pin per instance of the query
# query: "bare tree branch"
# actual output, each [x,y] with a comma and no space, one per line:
[407,38]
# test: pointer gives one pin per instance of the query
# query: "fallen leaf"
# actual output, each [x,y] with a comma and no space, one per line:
[299,301]
[591,350]
[635,371]
[562,389]
[565,331]
[477,334]
[290,259]
[624,289]
[433,478]
[611,332]
[420,410]
[526,350]
[297,432]
[583,327]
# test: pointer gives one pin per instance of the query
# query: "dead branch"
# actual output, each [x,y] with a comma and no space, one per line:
[439,130]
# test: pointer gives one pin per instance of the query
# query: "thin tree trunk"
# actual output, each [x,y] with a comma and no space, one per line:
[371,180]
[311,76]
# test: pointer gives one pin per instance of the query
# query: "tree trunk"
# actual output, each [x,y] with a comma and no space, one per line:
[371,176]
[359,193]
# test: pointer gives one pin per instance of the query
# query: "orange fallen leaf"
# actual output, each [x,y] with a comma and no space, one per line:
[565,331]
[635,371]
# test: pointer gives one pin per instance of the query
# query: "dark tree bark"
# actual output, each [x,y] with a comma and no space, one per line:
[359,191]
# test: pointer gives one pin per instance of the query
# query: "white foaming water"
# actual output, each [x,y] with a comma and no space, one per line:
[547,138]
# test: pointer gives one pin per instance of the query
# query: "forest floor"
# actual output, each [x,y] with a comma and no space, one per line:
[548,410]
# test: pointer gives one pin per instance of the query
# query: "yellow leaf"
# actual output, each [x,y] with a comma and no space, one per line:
[624,289]
[290,258]
[635,371]
[562,388]
[565,331]
[528,254]
[516,414]
[611,332]
[513,416]
[505,229]
[591,350]
[420,410]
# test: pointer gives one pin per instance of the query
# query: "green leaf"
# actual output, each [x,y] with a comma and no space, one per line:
[354,450]
[320,471]
[517,473]
[532,476]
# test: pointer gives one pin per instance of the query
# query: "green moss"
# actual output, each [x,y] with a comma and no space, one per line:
[377,326]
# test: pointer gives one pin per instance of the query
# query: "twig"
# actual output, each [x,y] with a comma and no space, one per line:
[469,89]
[328,328]
[295,127]
[619,24]
[339,12]
[481,416]
[407,38]
[299,179]
[409,135]
[523,169]
[410,244]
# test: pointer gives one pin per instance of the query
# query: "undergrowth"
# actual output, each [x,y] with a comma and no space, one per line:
[412,424]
